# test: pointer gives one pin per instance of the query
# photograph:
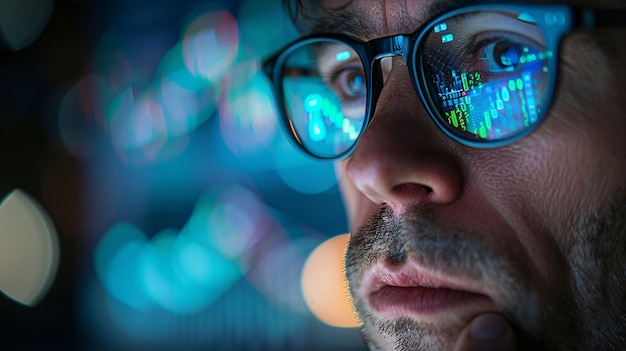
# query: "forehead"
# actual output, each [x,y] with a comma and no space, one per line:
[370,18]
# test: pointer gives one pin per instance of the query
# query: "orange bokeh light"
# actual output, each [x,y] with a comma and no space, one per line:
[325,287]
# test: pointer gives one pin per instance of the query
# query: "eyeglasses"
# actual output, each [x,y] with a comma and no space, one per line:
[486,74]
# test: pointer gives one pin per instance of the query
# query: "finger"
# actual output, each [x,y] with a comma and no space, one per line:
[487,332]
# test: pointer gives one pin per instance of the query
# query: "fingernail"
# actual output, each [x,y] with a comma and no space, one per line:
[489,327]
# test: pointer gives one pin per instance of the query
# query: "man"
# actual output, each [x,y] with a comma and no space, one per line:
[482,164]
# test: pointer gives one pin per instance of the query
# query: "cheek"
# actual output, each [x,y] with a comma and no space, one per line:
[579,152]
[575,163]
[586,160]
[577,175]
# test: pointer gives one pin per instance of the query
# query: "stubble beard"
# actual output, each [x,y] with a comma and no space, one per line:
[587,313]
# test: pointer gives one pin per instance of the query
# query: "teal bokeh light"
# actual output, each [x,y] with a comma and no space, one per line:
[170,271]
[185,272]
[184,277]
[116,261]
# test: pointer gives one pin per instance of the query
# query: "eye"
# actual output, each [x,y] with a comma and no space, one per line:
[350,82]
[507,55]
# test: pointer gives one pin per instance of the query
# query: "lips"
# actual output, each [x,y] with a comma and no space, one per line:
[414,291]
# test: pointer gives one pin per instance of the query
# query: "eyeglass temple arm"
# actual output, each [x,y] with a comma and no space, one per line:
[591,18]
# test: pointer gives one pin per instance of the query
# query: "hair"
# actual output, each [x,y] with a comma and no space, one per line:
[306,17]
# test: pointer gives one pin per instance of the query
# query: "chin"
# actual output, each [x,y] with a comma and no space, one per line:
[406,334]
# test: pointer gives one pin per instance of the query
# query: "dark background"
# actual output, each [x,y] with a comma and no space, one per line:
[96,125]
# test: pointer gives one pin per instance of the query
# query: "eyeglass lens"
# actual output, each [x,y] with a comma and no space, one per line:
[484,75]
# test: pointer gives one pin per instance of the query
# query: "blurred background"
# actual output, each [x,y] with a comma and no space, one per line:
[185,219]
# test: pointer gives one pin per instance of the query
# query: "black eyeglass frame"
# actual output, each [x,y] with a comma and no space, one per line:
[560,19]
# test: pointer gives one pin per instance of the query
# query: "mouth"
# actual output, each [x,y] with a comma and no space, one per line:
[426,295]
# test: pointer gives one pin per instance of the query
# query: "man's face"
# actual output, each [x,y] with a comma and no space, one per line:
[533,230]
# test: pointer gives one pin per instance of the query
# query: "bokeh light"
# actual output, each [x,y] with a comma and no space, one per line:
[150,114]
[183,276]
[185,271]
[210,44]
[185,108]
[238,221]
[29,249]
[324,285]
[247,117]
[137,126]
[116,260]
[232,219]
[23,21]
[170,271]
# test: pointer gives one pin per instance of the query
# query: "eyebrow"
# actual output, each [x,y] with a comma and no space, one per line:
[351,23]
[347,23]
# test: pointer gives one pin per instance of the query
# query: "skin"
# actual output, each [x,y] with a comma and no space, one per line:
[537,226]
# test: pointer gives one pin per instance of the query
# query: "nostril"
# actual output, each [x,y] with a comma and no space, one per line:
[412,190]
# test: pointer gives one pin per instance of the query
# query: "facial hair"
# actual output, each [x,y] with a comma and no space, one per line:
[588,312]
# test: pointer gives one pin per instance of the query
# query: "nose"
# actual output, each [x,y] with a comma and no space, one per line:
[403,159]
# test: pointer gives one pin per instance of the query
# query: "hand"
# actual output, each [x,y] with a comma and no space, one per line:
[487,332]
